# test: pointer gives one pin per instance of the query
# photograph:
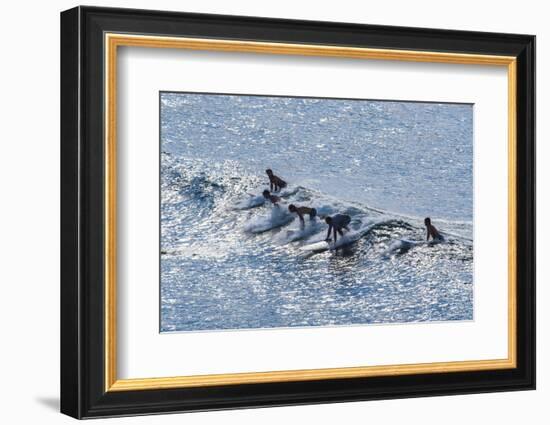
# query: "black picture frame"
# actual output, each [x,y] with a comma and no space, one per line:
[83,392]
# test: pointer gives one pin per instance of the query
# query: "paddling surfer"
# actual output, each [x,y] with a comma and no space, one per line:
[336,223]
[275,183]
[301,211]
[432,231]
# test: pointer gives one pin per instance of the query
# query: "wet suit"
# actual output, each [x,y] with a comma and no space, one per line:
[339,222]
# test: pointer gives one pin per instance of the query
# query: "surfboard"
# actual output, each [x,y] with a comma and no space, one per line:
[404,245]
[316,246]
[285,192]
[252,201]
[343,241]
[324,246]
[302,232]
[263,224]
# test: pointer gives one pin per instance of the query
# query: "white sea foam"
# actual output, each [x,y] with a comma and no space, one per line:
[277,217]
[251,201]
[305,230]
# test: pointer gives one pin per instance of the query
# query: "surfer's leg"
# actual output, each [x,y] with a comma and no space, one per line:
[340,231]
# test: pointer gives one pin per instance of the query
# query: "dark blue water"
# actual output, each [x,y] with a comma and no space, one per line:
[231,262]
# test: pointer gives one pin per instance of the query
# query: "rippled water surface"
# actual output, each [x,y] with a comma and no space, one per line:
[229,261]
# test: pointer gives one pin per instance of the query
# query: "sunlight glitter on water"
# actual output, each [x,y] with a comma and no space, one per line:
[230,262]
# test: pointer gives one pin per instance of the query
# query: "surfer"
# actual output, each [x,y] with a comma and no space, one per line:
[275,183]
[301,211]
[274,199]
[432,231]
[337,223]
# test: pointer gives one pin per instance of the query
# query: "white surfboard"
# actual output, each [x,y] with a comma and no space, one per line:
[252,201]
[404,245]
[316,246]
[285,192]
[343,241]
[299,233]
[278,217]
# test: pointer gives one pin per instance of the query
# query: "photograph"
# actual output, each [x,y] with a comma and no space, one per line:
[288,211]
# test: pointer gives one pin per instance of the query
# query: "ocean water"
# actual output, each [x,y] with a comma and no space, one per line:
[230,261]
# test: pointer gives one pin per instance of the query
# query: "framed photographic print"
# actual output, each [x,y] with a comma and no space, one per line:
[261,212]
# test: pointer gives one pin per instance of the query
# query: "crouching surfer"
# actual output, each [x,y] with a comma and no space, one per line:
[432,231]
[275,183]
[336,223]
[301,211]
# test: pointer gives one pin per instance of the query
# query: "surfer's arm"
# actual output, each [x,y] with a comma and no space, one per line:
[428,235]
[328,234]
[301,217]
